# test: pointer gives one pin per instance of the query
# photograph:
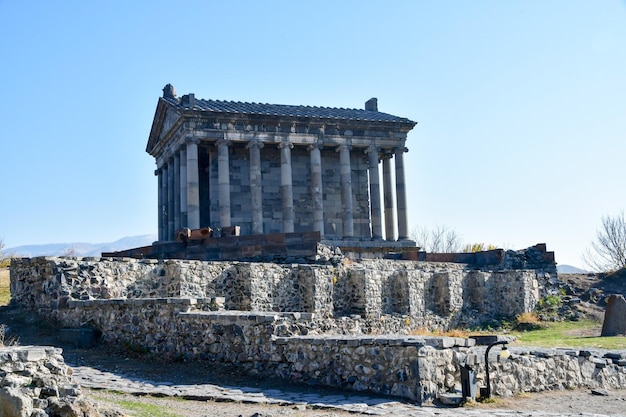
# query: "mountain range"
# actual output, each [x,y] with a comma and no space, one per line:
[80,248]
[96,249]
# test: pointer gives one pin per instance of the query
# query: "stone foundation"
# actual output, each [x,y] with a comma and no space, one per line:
[345,326]
[418,294]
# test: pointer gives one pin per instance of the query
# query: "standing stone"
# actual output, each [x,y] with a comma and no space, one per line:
[614,316]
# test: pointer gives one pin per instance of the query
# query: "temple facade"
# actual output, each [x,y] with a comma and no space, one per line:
[280,168]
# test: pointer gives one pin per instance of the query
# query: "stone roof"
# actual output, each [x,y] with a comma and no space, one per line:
[282,110]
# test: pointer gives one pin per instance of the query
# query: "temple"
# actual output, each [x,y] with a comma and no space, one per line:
[271,168]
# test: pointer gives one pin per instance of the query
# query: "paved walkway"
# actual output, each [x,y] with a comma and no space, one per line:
[92,378]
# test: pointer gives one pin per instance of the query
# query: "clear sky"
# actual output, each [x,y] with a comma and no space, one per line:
[521,105]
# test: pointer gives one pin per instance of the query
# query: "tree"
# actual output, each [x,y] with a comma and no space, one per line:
[4,260]
[608,251]
[437,240]
[478,247]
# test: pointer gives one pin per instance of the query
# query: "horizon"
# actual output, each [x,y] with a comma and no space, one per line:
[520,106]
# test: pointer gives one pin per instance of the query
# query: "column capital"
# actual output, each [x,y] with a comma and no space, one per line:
[222,142]
[316,145]
[372,149]
[283,145]
[255,143]
[400,149]
[191,139]
[385,155]
[341,148]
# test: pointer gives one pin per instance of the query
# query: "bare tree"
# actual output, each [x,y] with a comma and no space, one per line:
[4,259]
[608,251]
[440,239]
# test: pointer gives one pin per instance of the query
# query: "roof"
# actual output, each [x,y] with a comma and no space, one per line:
[264,109]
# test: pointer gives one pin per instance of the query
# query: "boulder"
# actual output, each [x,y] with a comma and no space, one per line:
[614,316]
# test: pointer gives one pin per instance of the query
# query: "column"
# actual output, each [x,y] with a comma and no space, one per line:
[164,202]
[286,186]
[176,192]
[183,187]
[223,181]
[390,217]
[160,202]
[375,207]
[346,191]
[170,200]
[193,186]
[401,206]
[317,195]
[256,190]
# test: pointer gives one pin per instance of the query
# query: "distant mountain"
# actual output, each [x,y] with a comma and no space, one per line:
[568,269]
[80,248]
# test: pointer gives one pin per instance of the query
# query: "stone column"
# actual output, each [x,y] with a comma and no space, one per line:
[346,191]
[170,200]
[193,186]
[176,192]
[390,217]
[223,181]
[317,195]
[160,202]
[164,201]
[256,186]
[375,207]
[183,187]
[403,224]
[286,186]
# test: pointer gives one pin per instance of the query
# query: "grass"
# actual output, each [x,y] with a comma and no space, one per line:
[584,333]
[132,408]
[5,292]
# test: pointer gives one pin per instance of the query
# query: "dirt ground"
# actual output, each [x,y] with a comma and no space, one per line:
[571,402]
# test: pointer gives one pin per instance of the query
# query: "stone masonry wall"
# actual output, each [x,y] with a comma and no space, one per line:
[294,346]
[420,294]
[320,324]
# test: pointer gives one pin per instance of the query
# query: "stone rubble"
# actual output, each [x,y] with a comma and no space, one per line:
[36,382]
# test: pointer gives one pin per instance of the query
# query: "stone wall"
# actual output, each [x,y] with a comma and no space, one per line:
[421,294]
[297,347]
[320,324]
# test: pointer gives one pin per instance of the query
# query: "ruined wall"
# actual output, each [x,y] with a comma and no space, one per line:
[294,346]
[385,294]
[338,326]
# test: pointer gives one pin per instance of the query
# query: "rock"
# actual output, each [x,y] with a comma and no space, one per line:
[14,403]
[451,399]
[72,407]
[615,316]
[600,391]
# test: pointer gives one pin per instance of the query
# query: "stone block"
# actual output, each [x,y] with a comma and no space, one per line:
[275,238]
[231,231]
[614,316]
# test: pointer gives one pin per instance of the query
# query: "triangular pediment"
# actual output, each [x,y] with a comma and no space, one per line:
[165,117]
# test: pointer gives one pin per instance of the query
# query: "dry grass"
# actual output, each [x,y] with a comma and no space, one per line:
[5,284]
[422,331]
[530,317]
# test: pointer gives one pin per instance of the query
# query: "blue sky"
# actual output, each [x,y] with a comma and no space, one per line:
[521,105]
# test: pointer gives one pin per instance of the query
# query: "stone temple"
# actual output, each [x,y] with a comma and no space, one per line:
[271,168]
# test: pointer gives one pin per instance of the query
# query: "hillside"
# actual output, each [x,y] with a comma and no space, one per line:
[80,248]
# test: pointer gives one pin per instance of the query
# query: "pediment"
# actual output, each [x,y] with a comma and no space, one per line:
[165,117]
